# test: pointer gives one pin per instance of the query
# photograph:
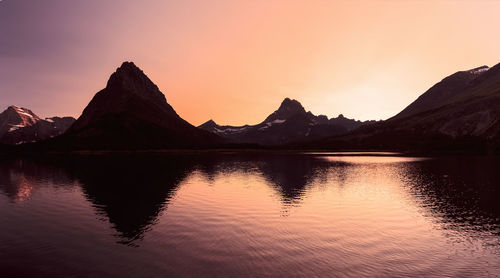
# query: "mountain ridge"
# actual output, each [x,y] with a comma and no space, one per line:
[290,122]
[460,111]
[467,119]
[20,125]
[442,92]
[131,112]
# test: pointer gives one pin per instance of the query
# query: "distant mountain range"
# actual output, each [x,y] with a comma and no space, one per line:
[290,123]
[462,112]
[20,125]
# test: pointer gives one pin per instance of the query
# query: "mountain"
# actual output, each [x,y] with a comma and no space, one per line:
[443,92]
[132,113]
[290,123]
[20,125]
[460,113]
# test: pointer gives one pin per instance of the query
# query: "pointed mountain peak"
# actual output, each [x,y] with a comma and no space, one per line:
[129,65]
[209,124]
[11,109]
[133,111]
[15,108]
[22,113]
[127,69]
[291,105]
[15,117]
[288,108]
[129,78]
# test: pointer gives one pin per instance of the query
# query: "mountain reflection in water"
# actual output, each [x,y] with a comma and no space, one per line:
[344,207]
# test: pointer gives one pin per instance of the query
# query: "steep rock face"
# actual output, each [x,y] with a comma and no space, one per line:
[20,125]
[131,112]
[289,123]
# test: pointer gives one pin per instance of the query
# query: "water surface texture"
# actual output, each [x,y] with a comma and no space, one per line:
[258,215]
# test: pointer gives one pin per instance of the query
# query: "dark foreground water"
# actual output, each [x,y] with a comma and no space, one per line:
[250,215]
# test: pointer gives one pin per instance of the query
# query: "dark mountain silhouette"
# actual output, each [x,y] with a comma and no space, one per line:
[455,186]
[131,191]
[288,174]
[460,113]
[128,191]
[442,93]
[20,125]
[289,123]
[132,113]
[287,109]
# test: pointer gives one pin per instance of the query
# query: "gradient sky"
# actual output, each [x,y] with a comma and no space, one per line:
[235,61]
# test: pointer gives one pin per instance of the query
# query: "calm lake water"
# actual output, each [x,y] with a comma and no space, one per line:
[276,215]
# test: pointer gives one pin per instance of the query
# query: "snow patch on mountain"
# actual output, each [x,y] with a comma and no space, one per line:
[278,121]
[22,111]
[15,127]
[271,123]
[231,130]
[25,114]
[479,70]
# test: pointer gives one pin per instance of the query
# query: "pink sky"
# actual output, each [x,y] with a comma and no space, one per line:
[235,61]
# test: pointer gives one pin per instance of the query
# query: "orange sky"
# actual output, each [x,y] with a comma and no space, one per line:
[235,61]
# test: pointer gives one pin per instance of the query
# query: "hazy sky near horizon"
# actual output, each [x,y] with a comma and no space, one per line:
[235,61]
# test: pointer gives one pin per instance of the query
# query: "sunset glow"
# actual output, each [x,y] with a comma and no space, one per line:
[235,61]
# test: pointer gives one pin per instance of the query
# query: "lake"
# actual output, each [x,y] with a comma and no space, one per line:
[250,214]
